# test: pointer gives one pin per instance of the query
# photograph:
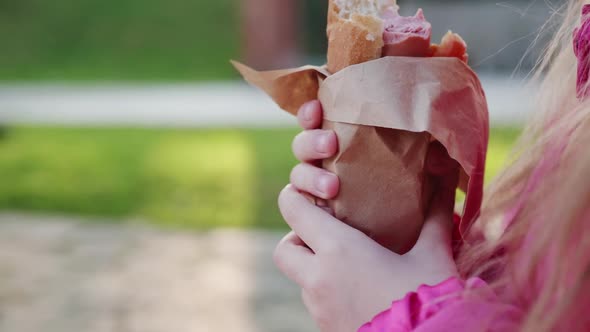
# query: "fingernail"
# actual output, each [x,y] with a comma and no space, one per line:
[323,182]
[308,112]
[323,143]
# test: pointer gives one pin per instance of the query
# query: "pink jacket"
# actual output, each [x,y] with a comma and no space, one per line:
[447,307]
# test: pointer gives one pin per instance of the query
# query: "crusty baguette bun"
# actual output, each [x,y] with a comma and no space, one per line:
[365,30]
[355,31]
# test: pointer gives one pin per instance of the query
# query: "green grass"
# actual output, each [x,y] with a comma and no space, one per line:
[118,39]
[173,178]
[501,142]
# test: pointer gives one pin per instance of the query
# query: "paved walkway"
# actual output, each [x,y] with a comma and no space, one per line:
[62,275]
[204,105]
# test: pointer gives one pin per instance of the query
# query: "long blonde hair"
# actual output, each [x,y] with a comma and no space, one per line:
[535,220]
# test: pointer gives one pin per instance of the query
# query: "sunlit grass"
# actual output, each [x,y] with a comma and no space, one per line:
[200,180]
[501,143]
[174,178]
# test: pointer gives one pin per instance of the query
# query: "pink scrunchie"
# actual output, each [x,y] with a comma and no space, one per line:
[582,52]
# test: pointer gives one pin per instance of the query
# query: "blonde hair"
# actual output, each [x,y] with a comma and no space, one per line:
[535,219]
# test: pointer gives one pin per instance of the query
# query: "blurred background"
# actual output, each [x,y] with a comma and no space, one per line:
[139,175]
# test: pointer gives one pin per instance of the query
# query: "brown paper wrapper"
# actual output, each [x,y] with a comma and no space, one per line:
[385,113]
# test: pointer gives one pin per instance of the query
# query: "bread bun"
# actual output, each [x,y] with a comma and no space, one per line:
[355,31]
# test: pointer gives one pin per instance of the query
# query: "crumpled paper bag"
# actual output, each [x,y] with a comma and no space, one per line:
[386,112]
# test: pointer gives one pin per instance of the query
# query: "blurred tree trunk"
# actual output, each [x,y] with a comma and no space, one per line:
[271,36]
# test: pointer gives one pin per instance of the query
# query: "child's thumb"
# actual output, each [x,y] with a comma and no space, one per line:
[438,225]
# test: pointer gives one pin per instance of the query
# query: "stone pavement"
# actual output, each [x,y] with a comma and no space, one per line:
[65,275]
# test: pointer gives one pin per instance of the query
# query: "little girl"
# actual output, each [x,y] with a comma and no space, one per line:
[525,265]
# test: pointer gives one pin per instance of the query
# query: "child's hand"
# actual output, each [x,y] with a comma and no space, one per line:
[346,277]
[311,146]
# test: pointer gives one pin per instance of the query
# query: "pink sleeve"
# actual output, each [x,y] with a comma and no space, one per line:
[447,307]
